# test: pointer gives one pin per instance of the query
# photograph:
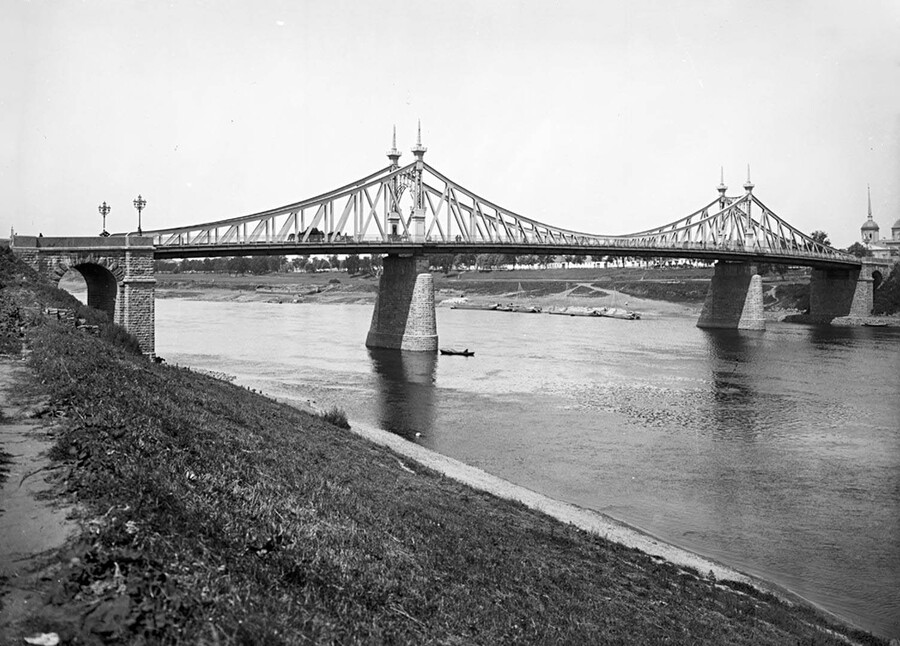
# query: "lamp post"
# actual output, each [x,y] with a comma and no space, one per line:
[139,204]
[104,210]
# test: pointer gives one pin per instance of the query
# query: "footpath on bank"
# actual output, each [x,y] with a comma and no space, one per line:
[210,514]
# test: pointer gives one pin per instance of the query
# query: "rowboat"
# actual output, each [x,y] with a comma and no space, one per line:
[459,353]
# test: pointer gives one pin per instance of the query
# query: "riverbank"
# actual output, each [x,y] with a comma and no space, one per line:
[216,514]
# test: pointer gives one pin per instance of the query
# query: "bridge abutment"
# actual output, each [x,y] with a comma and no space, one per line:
[404,316]
[734,300]
[118,272]
[138,304]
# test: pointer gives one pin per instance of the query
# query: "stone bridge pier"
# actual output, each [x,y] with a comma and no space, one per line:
[404,316]
[836,293]
[118,271]
[735,298]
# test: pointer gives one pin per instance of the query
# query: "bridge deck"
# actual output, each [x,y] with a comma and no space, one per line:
[693,251]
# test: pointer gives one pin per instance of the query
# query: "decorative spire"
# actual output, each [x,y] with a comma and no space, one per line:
[748,186]
[869,193]
[419,150]
[721,187]
[393,154]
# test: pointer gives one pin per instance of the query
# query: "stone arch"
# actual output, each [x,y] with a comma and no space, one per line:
[101,274]
[877,279]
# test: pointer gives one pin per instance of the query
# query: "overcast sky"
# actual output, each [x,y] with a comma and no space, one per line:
[604,117]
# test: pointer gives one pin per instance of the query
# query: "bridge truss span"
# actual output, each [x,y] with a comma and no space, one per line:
[415,208]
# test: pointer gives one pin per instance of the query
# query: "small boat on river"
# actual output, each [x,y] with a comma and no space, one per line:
[616,313]
[520,309]
[474,306]
[457,352]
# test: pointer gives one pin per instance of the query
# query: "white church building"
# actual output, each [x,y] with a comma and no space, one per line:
[880,247]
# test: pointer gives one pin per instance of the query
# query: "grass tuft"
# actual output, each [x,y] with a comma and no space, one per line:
[336,416]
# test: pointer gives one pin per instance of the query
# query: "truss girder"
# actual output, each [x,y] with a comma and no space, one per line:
[371,211]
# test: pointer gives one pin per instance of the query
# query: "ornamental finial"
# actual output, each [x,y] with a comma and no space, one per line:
[748,186]
[419,150]
[393,154]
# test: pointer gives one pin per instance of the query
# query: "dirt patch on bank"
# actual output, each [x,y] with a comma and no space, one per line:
[33,525]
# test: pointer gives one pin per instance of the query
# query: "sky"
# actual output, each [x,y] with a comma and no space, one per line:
[602,117]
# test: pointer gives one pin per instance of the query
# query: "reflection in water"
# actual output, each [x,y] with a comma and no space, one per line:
[735,400]
[405,384]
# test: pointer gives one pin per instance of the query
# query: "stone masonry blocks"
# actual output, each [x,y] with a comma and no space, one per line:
[734,300]
[404,316]
[840,292]
[119,274]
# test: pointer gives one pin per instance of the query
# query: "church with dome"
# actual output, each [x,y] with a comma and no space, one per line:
[880,247]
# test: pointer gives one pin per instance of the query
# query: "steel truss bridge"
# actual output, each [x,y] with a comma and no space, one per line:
[415,209]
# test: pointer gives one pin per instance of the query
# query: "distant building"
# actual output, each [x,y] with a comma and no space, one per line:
[871,238]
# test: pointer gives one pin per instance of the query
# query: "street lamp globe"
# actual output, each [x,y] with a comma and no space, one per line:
[104,211]
[139,204]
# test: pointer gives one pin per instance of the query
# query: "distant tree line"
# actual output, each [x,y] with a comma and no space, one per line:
[258,265]
[355,264]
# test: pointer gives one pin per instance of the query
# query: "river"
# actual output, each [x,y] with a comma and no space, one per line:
[775,452]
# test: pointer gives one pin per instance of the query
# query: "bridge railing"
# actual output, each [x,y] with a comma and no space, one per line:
[602,246]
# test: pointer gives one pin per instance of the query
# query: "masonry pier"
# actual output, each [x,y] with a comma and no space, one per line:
[735,299]
[404,316]
[835,293]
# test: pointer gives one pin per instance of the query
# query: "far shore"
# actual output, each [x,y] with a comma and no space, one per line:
[645,307]
[677,292]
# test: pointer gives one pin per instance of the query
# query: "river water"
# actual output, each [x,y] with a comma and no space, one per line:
[775,452]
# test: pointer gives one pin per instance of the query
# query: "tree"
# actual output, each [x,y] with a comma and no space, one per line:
[351,264]
[465,259]
[859,250]
[259,265]
[821,237]
[887,295]
[444,261]
[239,265]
